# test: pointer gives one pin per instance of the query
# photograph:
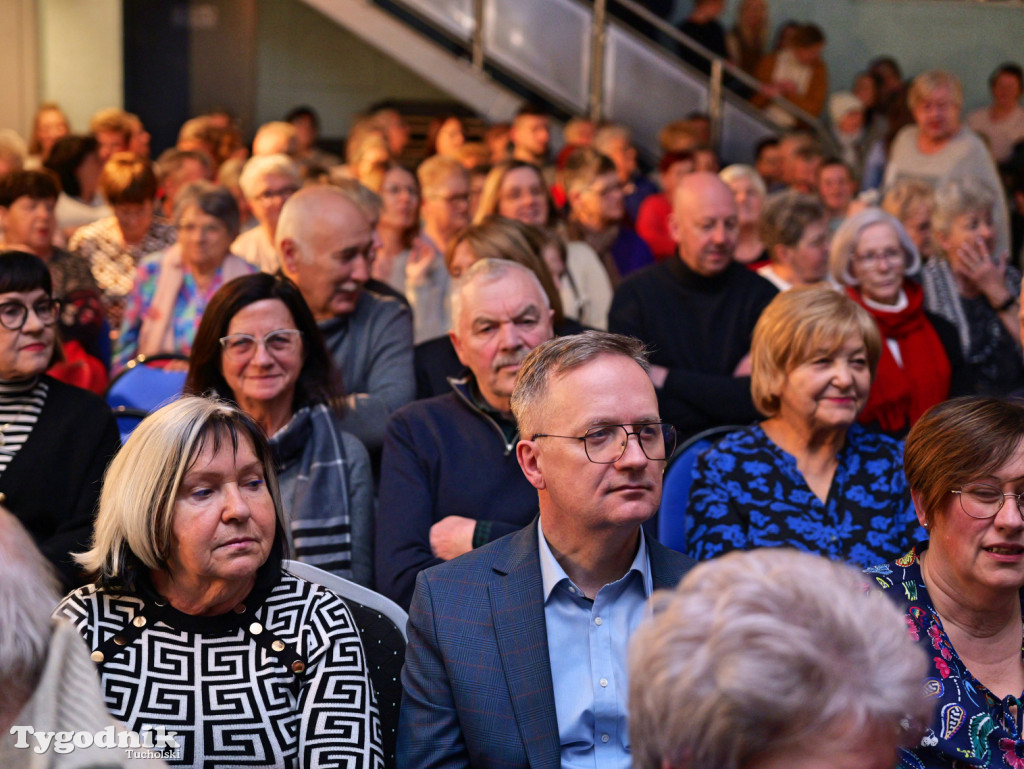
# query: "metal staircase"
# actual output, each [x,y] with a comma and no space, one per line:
[494,54]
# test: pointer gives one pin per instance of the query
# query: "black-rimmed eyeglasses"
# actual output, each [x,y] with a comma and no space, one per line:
[14,314]
[981,500]
[606,444]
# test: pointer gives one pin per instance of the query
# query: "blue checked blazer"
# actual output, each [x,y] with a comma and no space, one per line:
[477,688]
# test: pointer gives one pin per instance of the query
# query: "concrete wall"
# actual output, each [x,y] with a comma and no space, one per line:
[18,62]
[80,56]
[303,58]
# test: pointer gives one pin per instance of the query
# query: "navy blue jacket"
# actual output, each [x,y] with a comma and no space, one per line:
[443,456]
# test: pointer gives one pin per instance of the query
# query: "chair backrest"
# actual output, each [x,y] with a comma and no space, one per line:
[145,385]
[127,420]
[675,491]
[381,624]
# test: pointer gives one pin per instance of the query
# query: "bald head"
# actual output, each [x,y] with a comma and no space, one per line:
[704,223]
[326,245]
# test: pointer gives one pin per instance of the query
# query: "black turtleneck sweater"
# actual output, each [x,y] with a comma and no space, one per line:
[699,329]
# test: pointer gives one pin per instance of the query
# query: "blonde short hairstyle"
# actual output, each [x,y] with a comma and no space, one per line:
[905,194]
[113,120]
[932,80]
[133,526]
[958,197]
[794,327]
[739,171]
[845,240]
[739,663]
[436,170]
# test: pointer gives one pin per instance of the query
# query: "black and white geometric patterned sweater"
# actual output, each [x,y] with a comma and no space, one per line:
[281,681]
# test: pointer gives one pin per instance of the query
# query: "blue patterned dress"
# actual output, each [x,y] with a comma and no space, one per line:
[972,726]
[747,492]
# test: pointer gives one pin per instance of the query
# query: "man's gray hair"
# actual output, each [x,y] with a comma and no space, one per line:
[490,271]
[261,166]
[559,355]
[28,594]
[759,653]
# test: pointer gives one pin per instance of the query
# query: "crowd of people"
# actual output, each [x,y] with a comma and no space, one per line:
[425,379]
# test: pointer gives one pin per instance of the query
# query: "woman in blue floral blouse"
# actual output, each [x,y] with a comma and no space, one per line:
[807,476]
[961,590]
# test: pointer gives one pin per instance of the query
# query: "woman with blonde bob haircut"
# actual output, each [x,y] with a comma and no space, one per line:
[187,551]
[737,669]
[808,476]
[136,510]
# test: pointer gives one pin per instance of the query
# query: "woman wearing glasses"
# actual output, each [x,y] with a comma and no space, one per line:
[55,440]
[961,590]
[259,346]
[808,476]
[921,362]
[172,287]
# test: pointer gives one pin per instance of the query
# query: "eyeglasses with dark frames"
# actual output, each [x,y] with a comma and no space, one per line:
[14,314]
[606,444]
[982,500]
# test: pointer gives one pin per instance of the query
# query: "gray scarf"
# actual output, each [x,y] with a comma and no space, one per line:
[313,476]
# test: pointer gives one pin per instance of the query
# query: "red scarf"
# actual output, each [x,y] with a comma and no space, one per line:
[900,395]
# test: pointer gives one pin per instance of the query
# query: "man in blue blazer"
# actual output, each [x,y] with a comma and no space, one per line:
[517,650]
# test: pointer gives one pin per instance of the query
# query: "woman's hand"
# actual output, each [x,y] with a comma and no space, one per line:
[422,259]
[975,265]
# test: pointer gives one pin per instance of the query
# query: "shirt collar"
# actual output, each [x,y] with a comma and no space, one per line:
[552,573]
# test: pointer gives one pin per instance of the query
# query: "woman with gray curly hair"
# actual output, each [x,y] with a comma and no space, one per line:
[773,659]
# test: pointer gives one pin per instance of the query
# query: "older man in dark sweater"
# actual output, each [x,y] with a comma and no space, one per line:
[697,312]
[450,480]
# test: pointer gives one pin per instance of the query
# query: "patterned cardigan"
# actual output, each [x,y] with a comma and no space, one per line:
[281,681]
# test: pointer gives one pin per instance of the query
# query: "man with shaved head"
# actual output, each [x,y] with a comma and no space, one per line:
[697,312]
[326,246]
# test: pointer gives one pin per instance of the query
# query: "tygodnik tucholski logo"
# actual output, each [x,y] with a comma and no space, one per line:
[155,742]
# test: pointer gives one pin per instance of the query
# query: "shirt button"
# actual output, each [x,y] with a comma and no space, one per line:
[605,738]
[572,590]
[834,538]
[598,621]
[604,682]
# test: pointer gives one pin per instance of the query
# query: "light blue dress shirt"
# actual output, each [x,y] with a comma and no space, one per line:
[587,645]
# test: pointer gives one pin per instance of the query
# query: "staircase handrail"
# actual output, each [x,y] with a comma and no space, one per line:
[727,67]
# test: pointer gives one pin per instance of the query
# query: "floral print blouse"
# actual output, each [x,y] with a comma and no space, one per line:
[971,726]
